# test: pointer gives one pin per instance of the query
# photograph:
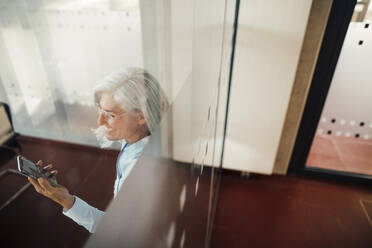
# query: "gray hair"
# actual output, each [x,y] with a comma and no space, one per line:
[135,89]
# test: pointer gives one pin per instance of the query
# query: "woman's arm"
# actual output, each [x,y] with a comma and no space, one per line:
[73,207]
[84,214]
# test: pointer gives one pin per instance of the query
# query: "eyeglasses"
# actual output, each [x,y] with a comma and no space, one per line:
[108,115]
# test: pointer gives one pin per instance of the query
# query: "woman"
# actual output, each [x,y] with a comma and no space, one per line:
[130,106]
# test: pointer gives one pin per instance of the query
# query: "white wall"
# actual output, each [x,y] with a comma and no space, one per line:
[269,40]
[201,51]
[349,98]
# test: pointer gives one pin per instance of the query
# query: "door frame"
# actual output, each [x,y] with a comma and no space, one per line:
[334,36]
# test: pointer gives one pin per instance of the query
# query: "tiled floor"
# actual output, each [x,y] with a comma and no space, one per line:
[341,153]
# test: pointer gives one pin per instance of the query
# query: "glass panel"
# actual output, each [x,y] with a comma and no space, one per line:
[184,155]
[53,53]
[343,141]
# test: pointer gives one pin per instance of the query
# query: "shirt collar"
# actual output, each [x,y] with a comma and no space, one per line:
[138,145]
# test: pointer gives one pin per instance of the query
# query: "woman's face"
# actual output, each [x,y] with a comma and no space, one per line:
[120,124]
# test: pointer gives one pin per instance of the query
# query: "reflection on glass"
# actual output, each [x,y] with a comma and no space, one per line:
[53,54]
[165,197]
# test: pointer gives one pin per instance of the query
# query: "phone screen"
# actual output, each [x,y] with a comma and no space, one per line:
[29,168]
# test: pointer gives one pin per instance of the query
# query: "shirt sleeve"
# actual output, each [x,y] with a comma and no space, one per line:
[84,214]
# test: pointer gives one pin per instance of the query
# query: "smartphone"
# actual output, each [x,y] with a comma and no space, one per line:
[30,169]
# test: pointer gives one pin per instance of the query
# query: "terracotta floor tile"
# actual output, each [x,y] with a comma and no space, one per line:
[324,154]
[341,153]
[356,155]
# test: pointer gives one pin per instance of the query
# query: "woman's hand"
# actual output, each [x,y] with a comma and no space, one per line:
[59,194]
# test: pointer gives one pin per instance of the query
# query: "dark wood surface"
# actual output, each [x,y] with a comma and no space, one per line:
[35,221]
[291,211]
[154,190]
[263,211]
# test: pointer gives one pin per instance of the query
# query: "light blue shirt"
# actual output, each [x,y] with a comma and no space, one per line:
[89,217]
